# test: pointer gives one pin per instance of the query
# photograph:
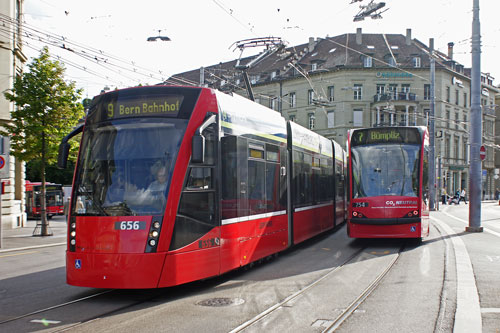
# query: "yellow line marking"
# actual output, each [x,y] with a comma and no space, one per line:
[17,254]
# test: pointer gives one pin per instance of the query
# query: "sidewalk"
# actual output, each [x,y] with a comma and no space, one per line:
[477,265]
[22,238]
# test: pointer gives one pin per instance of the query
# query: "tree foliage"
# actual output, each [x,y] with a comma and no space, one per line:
[46,110]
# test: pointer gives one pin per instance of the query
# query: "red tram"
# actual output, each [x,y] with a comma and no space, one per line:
[388,172]
[177,184]
[54,196]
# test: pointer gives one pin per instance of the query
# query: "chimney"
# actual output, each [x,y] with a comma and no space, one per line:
[408,37]
[450,50]
[359,39]
[312,44]
[431,44]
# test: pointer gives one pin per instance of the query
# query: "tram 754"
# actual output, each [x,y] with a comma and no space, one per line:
[176,184]
[388,172]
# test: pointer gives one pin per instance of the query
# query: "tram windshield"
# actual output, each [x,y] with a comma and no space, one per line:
[125,166]
[385,169]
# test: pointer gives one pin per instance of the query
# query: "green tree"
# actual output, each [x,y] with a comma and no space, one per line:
[46,110]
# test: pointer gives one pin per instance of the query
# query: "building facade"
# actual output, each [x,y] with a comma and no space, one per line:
[333,84]
[12,59]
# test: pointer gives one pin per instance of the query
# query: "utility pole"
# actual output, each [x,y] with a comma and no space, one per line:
[475,182]
[432,135]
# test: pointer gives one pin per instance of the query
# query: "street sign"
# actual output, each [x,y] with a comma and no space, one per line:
[4,166]
[482,153]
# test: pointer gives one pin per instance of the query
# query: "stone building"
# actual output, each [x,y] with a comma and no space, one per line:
[356,80]
[12,60]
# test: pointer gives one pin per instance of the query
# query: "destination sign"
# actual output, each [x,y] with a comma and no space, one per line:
[151,106]
[385,135]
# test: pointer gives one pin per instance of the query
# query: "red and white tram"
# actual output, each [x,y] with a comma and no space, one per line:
[388,172]
[177,184]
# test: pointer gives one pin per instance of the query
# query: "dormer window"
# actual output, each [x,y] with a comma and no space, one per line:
[367,61]
[416,61]
[314,66]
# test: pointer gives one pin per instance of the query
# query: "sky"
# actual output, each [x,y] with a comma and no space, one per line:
[108,48]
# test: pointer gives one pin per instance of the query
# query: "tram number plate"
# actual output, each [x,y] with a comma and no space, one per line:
[359,204]
[130,225]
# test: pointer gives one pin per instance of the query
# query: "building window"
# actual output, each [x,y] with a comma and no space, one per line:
[331,93]
[310,96]
[448,94]
[457,147]
[393,90]
[390,60]
[330,119]
[292,99]
[311,121]
[447,148]
[380,89]
[357,117]
[427,92]
[465,99]
[314,66]
[367,61]
[465,156]
[465,122]
[358,92]
[456,97]
[416,62]
[456,120]
[448,118]
[272,102]
[405,88]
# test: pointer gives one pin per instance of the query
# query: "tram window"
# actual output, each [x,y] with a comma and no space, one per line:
[200,179]
[196,217]
[256,187]
[272,153]
[302,178]
[255,151]
[272,187]
[229,186]
[209,134]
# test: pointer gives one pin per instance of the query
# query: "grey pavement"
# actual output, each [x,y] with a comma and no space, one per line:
[477,259]
[17,239]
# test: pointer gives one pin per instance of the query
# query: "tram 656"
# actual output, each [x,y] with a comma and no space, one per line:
[175,184]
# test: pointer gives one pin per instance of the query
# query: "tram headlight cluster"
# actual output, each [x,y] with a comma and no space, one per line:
[357,214]
[154,233]
[412,214]
[72,234]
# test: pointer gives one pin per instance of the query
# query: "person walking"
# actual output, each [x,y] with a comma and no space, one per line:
[443,196]
[462,196]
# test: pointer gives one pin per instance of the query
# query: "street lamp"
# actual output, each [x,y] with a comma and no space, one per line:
[159,37]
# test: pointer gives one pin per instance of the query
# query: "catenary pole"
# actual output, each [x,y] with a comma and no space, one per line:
[475,185]
[432,136]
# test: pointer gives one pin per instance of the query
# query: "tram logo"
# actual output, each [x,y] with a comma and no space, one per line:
[78,263]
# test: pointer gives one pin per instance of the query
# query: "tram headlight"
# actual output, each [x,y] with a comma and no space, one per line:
[154,234]
[73,234]
[156,224]
[73,242]
[152,242]
[73,226]
[355,214]
[415,212]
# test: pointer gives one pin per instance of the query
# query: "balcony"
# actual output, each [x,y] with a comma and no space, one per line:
[401,96]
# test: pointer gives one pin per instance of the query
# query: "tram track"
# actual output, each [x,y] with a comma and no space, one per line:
[56,306]
[335,323]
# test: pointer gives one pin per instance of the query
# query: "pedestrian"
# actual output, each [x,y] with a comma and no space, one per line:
[497,194]
[443,196]
[462,196]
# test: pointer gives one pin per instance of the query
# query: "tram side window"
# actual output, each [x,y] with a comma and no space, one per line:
[197,207]
[272,178]
[229,186]
[302,176]
[256,179]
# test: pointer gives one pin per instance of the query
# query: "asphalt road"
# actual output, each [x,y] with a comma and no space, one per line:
[305,289]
